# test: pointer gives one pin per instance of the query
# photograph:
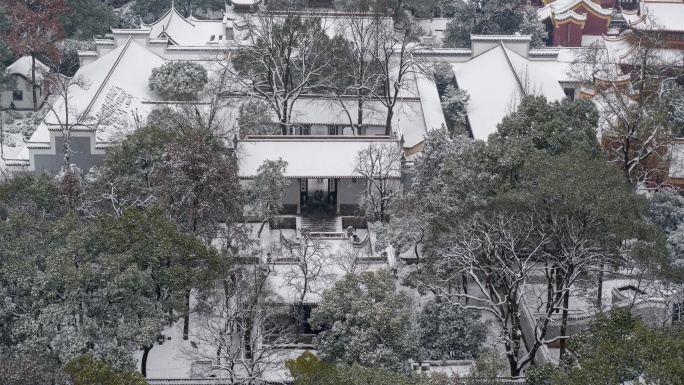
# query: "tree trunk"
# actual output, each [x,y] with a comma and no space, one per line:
[33,81]
[359,118]
[512,354]
[263,223]
[549,291]
[2,153]
[564,322]
[388,122]
[143,361]
[186,317]
[283,121]
[599,300]
[283,127]
[464,282]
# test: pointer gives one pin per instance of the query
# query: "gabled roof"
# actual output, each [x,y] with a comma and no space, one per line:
[659,16]
[182,31]
[560,7]
[570,14]
[115,87]
[23,66]
[496,81]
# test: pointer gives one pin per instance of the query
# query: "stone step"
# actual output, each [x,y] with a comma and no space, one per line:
[319,224]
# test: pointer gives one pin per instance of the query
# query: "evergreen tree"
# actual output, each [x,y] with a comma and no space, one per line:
[178,80]
[363,320]
[88,19]
[450,333]
[489,17]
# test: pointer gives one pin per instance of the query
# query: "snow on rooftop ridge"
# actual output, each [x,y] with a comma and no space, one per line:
[562,7]
[117,87]
[120,31]
[662,16]
[502,38]
[544,52]
[23,67]
[570,14]
[496,81]
[443,51]
[104,42]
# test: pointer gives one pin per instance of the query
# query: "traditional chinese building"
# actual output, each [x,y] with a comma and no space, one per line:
[574,23]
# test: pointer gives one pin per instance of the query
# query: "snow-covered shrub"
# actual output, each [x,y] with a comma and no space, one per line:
[14,114]
[8,140]
[450,333]
[178,80]
[255,119]
[443,74]
[15,128]
[454,105]
[127,16]
[28,129]
[7,118]
[531,25]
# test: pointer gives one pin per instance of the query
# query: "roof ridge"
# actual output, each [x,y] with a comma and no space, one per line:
[510,65]
[109,75]
[175,12]
[596,7]
[156,21]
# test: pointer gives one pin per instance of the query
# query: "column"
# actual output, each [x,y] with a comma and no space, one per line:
[299,196]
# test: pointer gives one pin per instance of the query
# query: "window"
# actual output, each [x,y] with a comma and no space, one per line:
[569,93]
[212,37]
[18,95]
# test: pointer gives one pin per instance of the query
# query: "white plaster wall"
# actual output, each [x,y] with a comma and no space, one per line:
[349,192]
[22,85]
[375,131]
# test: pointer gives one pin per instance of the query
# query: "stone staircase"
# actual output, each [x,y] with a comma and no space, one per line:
[322,224]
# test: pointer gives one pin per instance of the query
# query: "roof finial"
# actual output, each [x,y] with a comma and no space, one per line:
[173,4]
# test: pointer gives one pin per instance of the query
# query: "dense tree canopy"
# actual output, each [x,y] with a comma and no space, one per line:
[450,333]
[178,80]
[88,18]
[617,349]
[491,17]
[365,322]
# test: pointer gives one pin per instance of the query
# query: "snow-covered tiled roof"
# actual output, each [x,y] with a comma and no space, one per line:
[560,7]
[116,85]
[184,31]
[496,81]
[431,106]
[306,157]
[413,117]
[570,14]
[23,67]
[620,50]
[662,16]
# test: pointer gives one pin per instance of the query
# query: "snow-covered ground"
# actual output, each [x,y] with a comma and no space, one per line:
[16,125]
[170,359]
[177,358]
